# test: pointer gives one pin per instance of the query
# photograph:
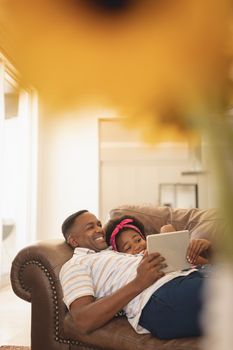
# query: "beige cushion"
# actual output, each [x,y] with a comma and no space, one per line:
[202,223]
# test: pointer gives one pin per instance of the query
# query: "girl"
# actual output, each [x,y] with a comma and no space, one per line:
[126,234]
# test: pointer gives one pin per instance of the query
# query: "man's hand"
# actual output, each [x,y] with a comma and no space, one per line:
[150,269]
[195,248]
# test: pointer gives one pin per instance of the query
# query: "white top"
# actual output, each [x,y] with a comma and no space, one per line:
[100,274]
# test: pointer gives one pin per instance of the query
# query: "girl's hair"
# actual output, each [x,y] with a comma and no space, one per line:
[115,227]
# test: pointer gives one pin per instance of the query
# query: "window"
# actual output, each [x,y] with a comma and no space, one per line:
[11,97]
[18,160]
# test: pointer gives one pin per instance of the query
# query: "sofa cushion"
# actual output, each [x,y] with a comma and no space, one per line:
[119,335]
[202,223]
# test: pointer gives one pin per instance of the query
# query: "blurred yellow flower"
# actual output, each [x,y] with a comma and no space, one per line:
[158,61]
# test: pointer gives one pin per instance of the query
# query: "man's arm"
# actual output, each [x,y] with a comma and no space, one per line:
[90,314]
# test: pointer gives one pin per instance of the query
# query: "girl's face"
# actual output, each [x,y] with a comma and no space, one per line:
[130,242]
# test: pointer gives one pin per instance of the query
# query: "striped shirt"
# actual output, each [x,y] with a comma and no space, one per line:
[101,274]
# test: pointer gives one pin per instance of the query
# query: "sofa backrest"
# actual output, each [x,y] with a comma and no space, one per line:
[202,223]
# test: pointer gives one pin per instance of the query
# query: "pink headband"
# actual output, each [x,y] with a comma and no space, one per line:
[124,223]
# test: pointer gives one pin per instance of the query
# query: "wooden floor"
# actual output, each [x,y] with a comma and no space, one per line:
[15,315]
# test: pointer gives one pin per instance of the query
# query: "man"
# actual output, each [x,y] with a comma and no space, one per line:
[97,283]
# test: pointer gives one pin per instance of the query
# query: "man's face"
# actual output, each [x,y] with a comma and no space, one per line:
[87,232]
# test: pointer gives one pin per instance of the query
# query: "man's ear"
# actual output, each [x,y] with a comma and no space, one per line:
[72,241]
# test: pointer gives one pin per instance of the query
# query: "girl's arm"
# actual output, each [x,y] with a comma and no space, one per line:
[196,249]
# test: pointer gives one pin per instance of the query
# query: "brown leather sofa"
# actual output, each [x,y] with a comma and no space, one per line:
[34,278]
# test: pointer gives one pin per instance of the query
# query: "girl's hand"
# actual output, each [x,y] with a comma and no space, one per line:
[167,228]
[195,248]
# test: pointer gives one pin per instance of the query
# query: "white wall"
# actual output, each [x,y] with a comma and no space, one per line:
[68,168]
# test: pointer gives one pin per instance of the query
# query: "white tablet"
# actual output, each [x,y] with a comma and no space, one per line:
[172,246]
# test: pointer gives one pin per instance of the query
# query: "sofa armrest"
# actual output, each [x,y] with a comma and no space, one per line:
[35,278]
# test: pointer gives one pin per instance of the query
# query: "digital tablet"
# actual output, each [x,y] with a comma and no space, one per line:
[173,247]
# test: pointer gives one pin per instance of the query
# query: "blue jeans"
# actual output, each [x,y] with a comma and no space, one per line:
[173,310]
